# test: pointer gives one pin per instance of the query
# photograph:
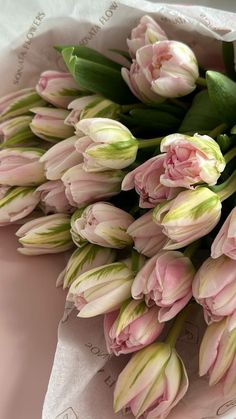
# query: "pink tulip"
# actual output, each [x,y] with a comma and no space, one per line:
[48,124]
[147,32]
[19,103]
[191,160]
[217,356]
[170,68]
[104,224]
[165,280]
[16,203]
[53,198]
[57,87]
[83,188]
[76,107]
[61,157]
[152,383]
[214,287]
[225,241]
[131,328]
[139,85]
[21,167]
[147,236]
[146,181]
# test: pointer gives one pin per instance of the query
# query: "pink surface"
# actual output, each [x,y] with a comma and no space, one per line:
[30,309]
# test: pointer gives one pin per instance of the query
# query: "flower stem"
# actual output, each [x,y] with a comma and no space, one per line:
[152,142]
[217,130]
[178,325]
[226,189]
[127,108]
[230,155]
[191,248]
[201,81]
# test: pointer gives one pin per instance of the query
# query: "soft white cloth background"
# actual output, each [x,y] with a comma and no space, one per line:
[30,309]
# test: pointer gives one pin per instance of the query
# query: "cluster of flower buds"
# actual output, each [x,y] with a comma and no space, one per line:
[65,151]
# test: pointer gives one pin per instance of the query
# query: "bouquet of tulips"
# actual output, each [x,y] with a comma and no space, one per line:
[132,169]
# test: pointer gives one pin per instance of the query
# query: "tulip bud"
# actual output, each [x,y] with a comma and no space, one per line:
[214,287]
[189,216]
[147,32]
[61,157]
[48,124]
[50,234]
[131,328]
[77,239]
[53,198]
[225,241]
[57,87]
[84,259]
[165,280]
[16,203]
[139,85]
[77,107]
[165,69]
[217,356]
[152,383]
[147,236]
[101,108]
[105,225]
[102,289]
[83,188]
[191,160]
[110,144]
[16,131]
[19,103]
[21,167]
[146,181]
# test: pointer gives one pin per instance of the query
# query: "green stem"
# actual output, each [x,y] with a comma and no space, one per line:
[178,325]
[226,189]
[179,103]
[127,108]
[230,155]
[217,130]
[201,81]
[152,142]
[191,248]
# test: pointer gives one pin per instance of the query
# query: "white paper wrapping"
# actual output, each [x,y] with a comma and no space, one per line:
[83,375]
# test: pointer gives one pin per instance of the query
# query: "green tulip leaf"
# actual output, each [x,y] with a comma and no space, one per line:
[222,93]
[202,115]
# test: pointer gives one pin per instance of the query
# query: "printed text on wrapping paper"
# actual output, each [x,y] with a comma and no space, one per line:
[26,46]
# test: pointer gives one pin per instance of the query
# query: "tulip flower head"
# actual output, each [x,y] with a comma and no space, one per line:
[76,107]
[49,234]
[214,287]
[152,383]
[109,144]
[16,131]
[147,236]
[191,160]
[83,188]
[48,124]
[61,157]
[166,281]
[53,198]
[225,241]
[131,328]
[105,225]
[19,103]
[16,203]
[21,166]
[84,259]
[146,181]
[189,216]
[217,356]
[57,88]
[146,32]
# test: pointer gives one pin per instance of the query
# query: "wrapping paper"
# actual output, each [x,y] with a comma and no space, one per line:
[83,375]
